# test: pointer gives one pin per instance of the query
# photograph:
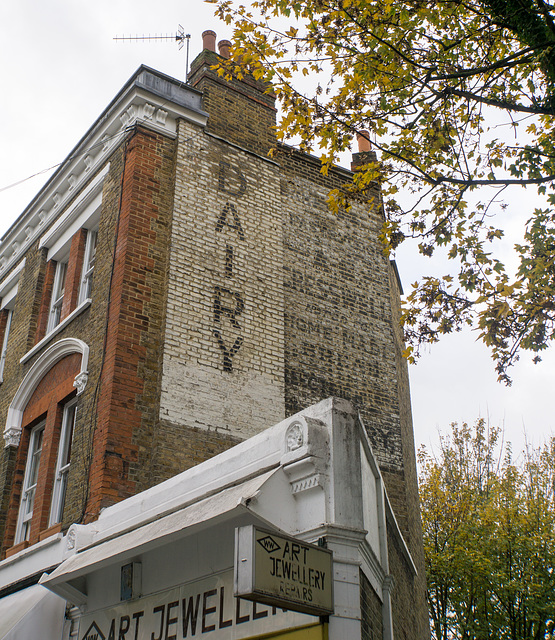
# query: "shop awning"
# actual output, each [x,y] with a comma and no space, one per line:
[34,612]
[67,579]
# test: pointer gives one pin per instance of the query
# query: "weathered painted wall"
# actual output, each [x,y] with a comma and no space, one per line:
[224,341]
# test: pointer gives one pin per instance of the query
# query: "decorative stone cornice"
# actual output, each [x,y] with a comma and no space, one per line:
[149,98]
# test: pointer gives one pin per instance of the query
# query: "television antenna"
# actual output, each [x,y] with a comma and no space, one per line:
[180,36]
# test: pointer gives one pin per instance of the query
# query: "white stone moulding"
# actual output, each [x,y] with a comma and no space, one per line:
[137,104]
[57,351]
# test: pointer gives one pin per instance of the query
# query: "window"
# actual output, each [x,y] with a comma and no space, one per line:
[62,464]
[30,480]
[88,266]
[57,299]
[5,342]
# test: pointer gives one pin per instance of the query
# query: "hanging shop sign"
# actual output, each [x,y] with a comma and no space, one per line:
[283,571]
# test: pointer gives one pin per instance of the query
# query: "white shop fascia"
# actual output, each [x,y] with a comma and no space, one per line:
[312,476]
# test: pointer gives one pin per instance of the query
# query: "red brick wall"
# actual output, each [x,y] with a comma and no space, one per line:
[121,436]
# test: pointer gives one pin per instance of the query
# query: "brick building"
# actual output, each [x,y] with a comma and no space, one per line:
[171,292]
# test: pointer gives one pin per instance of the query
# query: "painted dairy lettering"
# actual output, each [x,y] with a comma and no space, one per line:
[229,303]
[227,175]
[228,353]
[230,218]
[228,261]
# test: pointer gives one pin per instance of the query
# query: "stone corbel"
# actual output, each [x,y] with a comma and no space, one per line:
[148,111]
[12,436]
[303,475]
[73,615]
[161,116]
[80,381]
[388,584]
[302,460]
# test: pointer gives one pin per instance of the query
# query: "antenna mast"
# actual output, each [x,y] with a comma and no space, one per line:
[181,37]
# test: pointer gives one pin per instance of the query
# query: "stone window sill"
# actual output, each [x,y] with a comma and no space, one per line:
[47,338]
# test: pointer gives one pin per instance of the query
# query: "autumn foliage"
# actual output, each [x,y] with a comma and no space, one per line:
[458,99]
[489,537]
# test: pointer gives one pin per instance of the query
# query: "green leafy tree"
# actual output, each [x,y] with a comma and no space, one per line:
[489,538]
[458,99]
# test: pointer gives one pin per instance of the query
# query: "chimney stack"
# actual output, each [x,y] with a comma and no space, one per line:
[224,48]
[209,40]
[363,139]
[365,153]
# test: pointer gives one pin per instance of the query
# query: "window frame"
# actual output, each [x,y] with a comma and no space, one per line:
[28,491]
[89,259]
[63,462]
[57,297]
[5,340]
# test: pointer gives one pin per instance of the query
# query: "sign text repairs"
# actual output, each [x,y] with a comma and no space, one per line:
[283,571]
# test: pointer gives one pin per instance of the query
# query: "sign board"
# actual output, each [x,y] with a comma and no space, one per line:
[283,571]
[204,608]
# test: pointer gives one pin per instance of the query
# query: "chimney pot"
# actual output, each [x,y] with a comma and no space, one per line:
[224,48]
[363,139]
[209,40]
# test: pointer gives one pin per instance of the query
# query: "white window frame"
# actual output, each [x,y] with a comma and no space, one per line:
[5,343]
[57,300]
[30,481]
[63,463]
[88,266]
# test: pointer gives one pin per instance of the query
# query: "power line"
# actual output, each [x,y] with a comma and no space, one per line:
[59,164]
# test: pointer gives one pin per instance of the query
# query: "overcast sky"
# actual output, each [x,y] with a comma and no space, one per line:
[60,67]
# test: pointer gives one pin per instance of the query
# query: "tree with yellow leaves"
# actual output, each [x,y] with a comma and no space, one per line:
[432,82]
[489,538]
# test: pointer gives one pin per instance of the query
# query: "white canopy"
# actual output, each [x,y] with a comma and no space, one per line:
[26,613]
[67,579]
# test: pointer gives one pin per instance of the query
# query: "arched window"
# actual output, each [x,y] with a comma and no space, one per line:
[44,410]
[57,351]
